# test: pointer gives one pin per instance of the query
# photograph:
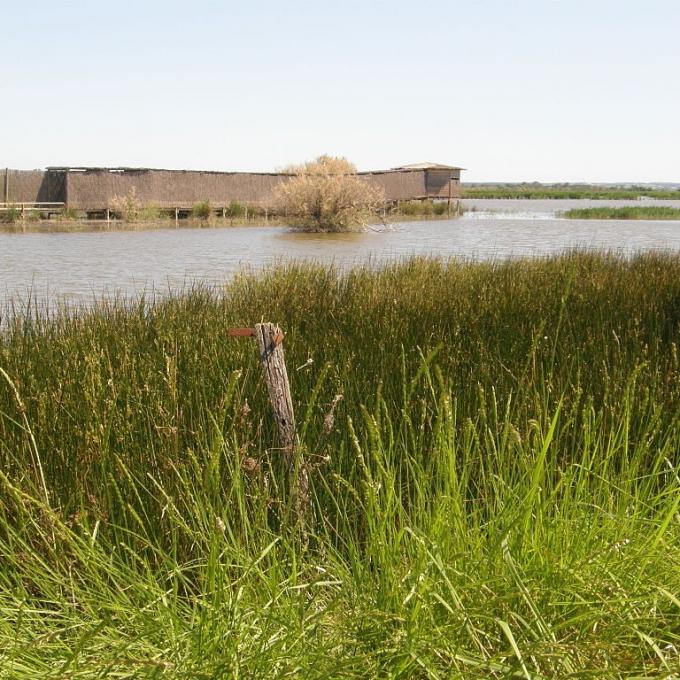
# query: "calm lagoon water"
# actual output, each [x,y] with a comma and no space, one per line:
[79,267]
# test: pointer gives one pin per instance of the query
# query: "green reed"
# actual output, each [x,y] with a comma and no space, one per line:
[496,494]
[647,212]
[565,191]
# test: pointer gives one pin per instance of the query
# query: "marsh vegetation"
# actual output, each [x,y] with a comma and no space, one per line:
[647,212]
[493,459]
[566,191]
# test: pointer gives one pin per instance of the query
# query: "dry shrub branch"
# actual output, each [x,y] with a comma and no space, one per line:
[327,195]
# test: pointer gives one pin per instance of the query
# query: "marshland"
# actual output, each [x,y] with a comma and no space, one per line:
[536,190]
[492,450]
[648,212]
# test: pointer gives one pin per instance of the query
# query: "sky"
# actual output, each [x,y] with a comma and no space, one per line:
[521,90]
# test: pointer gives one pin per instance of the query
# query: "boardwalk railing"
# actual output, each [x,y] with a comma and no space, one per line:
[32,207]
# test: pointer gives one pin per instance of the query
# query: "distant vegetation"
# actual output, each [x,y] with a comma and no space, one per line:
[566,191]
[426,208]
[127,207]
[493,452]
[623,213]
[11,215]
[235,210]
[69,214]
[327,195]
[202,210]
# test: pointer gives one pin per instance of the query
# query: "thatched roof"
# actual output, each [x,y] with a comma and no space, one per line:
[428,166]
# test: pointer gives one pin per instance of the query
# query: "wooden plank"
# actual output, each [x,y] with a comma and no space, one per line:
[37,206]
[241,332]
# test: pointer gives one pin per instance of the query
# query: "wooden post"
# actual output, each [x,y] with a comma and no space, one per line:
[448,203]
[6,200]
[269,339]
[176,217]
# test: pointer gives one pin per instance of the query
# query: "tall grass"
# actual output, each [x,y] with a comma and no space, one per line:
[202,210]
[563,191]
[235,210]
[425,208]
[11,215]
[496,494]
[648,212]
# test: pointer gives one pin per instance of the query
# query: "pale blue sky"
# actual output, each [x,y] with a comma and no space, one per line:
[526,90]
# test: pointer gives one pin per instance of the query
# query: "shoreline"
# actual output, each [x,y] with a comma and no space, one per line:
[82,226]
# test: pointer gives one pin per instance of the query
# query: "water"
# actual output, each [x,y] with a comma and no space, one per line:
[78,267]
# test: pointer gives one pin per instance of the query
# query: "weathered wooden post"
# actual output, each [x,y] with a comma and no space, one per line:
[269,339]
[448,202]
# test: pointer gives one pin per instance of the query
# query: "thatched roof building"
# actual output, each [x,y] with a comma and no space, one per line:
[92,189]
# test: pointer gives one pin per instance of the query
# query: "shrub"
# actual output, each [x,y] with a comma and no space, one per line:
[235,209]
[150,212]
[202,210]
[409,207]
[127,207]
[327,195]
[10,216]
[426,208]
[70,214]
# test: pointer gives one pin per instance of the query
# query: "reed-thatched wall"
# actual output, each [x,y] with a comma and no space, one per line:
[22,186]
[399,185]
[94,189]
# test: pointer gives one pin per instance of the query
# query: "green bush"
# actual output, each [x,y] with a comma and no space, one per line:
[409,208]
[11,216]
[202,210]
[235,210]
[149,213]
[70,214]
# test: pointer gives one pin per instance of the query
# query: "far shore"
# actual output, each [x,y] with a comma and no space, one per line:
[42,226]
[622,213]
[568,191]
